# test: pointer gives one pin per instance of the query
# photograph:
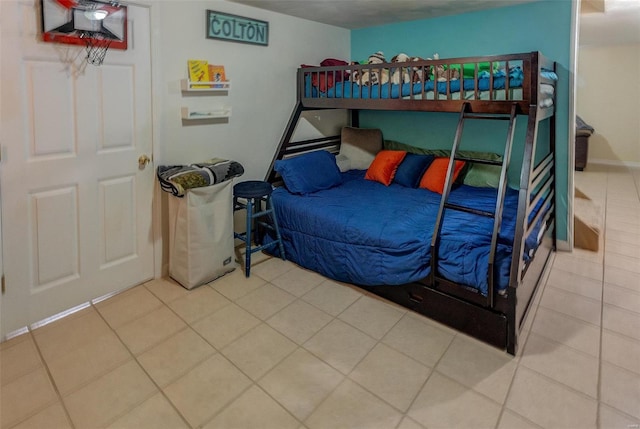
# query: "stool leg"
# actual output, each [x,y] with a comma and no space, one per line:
[247,241]
[275,226]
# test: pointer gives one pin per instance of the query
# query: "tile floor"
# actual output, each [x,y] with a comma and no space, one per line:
[288,348]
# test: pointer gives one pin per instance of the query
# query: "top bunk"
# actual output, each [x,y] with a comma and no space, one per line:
[490,84]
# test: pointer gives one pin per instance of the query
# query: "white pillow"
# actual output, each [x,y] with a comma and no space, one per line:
[360,146]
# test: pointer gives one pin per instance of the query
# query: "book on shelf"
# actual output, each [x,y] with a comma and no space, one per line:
[199,72]
[216,74]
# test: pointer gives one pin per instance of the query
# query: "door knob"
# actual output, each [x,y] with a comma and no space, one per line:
[143,161]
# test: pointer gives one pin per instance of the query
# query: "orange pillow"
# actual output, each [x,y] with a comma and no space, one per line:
[384,166]
[435,176]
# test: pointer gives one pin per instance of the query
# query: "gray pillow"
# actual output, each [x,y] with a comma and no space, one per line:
[360,146]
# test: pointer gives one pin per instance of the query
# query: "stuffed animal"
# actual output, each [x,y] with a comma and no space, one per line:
[418,73]
[377,75]
[398,71]
[442,74]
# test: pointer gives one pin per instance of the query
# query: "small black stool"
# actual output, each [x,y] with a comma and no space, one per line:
[255,192]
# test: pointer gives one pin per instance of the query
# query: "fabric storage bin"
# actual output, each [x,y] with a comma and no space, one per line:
[201,235]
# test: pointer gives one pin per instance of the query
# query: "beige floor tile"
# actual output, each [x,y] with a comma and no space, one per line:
[299,321]
[350,406]
[259,350]
[272,268]
[23,397]
[585,309]
[225,325]
[88,361]
[418,339]
[166,289]
[580,285]
[621,321]
[567,330]
[621,351]
[206,389]
[622,278]
[175,356]
[154,413]
[511,420]
[623,237]
[298,281]
[622,297]
[622,262]
[235,285]
[70,333]
[615,248]
[127,306]
[301,382]
[582,267]
[198,303]
[371,316]
[619,225]
[614,419]
[550,404]
[590,254]
[478,366]
[563,364]
[19,359]
[110,396]
[441,401]
[253,409]
[332,297]
[620,389]
[149,330]
[53,417]
[391,375]
[265,301]
[14,340]
[340,345]
[408,423]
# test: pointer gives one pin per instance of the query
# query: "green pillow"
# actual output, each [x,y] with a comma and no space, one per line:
[479,175]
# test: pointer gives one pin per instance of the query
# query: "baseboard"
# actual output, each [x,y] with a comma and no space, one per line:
[563,246]
[615,162]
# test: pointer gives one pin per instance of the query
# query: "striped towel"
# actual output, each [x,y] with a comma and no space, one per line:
[176,179]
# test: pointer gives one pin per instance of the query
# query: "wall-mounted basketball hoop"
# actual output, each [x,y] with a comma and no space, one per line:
[95,24]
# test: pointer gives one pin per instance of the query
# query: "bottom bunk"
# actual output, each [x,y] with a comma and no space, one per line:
[438,232]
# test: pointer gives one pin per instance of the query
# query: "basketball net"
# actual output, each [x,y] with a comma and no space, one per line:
[96,45]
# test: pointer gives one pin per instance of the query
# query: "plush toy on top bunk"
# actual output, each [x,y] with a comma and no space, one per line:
[377,75]
[398,71]
[443,73]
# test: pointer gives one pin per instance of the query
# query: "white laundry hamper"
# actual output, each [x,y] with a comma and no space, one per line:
[201,244]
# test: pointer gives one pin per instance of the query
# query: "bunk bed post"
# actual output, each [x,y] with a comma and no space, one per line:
[286,139]
[517,262]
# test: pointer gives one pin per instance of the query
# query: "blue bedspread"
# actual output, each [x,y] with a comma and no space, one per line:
[365,233]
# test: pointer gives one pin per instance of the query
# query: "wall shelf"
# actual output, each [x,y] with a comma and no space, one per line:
[196,115]
[187,86]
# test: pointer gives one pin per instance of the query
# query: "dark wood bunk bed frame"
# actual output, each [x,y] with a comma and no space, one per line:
[497,318]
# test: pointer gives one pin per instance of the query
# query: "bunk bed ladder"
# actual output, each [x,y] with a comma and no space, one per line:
[496,215]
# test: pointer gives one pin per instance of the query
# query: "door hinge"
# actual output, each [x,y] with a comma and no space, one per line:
[3,286]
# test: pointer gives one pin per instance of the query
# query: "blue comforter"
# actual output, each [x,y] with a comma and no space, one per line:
[365,233]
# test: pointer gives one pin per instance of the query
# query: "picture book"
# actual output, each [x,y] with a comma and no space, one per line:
[199,72]
[216,74]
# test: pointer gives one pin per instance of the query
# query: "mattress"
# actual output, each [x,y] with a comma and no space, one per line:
[365,233]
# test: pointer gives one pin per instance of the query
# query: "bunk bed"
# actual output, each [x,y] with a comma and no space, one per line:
[420,233]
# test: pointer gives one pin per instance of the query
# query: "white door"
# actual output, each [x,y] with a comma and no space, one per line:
[76,207]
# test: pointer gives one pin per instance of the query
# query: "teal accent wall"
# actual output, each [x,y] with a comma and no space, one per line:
[543,26]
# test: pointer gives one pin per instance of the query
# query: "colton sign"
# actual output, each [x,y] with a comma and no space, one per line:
[234,28]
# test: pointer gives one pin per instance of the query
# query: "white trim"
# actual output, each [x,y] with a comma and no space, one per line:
[573,84]
[615,162]
[564,246]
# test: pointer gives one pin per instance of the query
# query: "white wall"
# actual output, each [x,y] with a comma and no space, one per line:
[262,94]
[263,91]
[608,99]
